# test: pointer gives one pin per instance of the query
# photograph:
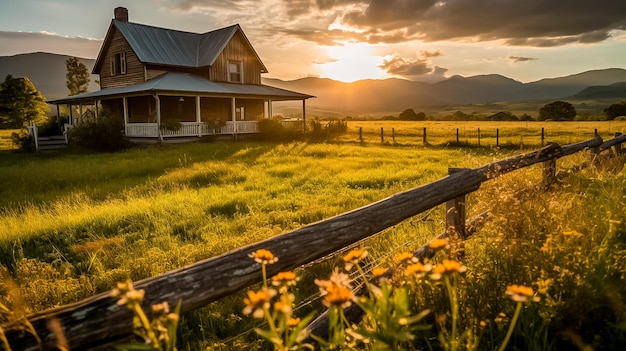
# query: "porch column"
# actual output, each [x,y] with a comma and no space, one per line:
[80,112]
[158,115]
[304,115]
[71,117]
[125,104]
[233,117]
[198,116]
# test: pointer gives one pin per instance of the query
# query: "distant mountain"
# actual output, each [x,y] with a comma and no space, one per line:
[46,71]
[374,97]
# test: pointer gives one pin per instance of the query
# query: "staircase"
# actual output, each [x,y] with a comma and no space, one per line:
[51,143]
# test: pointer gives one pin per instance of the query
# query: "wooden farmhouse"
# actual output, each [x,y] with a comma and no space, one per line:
[169,83]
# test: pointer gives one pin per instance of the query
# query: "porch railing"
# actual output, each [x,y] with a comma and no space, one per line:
[151,130]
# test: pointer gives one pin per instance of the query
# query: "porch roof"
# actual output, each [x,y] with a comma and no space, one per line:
[185,84]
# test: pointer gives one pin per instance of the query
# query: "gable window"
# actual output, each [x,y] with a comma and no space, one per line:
[235,71]
[118,64]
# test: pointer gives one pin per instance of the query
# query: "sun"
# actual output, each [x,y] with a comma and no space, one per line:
[351,62]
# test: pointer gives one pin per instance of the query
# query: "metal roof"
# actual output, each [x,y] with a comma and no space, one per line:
[175,48]
[172,83]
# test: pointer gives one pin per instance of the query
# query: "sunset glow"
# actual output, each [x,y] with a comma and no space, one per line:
[351,62]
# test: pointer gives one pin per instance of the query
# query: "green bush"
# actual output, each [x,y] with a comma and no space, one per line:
[102,134]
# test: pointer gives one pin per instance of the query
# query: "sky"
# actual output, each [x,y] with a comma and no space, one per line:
[348,40]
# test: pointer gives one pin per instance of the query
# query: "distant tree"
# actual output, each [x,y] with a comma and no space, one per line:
[558,111]
[408,115]
[77,76]
[525,117]
[20,103]
[615,110]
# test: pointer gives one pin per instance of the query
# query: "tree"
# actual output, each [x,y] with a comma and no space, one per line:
[410,115]
[20,103]
[615,110]
[77,76]
[557,111]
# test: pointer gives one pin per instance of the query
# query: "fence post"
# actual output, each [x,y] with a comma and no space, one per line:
[543,136]
[478,137]
[424,138]
[393,135]
[455,211]
[382,136]
[361,134]
[457,135]
[618,147]
[497,137]
[549,172]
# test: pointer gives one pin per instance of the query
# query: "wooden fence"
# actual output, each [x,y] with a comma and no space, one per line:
[99,319]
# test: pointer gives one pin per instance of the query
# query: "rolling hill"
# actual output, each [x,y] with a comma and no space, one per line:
[374,97]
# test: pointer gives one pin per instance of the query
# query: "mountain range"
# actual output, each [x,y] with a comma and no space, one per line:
[375,97]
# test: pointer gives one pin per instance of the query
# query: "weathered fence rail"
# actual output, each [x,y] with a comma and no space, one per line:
[99,319]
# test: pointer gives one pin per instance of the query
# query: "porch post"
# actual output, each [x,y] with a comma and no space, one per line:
[158,115]
[198,116]
[71,117]
[270,112]
[233,117]
[80,111]
[304,115]
[125,104]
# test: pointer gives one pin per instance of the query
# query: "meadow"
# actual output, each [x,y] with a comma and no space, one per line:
[74,224]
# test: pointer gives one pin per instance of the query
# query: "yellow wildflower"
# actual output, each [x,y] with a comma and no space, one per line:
[263,256]
[447,267]
[258,301]
[405,257]
[417,269]
[437,244]
[293,322]
[379,272]
[284,279]
[520,293]
[337,296]
[354,257]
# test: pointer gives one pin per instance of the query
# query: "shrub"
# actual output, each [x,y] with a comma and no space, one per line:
[24,141]
[102,134]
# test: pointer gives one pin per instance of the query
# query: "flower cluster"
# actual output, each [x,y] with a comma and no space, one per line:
[447,267]
[520,293]
[127,294]
[337,290]
[263,256]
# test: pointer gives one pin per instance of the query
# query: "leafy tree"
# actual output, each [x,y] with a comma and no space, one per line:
[410,115]
[558,111]
[77,76]
[20,103]
[615,110]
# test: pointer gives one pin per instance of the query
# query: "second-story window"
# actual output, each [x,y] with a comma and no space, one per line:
[118,64]
[235,72]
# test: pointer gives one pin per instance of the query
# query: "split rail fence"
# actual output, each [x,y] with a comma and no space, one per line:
[100,320]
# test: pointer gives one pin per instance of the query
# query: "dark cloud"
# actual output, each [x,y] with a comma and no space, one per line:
[419,67]
[529,22]
[521,59]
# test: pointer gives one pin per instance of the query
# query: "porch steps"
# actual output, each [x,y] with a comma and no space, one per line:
[52,143]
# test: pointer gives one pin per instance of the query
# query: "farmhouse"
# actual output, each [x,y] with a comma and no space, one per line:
[169,83]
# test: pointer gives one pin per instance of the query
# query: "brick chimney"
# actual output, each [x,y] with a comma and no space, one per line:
[121,14]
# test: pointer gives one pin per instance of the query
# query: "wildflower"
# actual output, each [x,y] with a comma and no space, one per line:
[417,269]
[447,267]
[284,308]
[263,256]
[258,301]
[127,294]
[293,322]
[520,293]
[405,257]
[379,272]
[337,290]
[160,309]
[354,257]
[284,279]
[437,244]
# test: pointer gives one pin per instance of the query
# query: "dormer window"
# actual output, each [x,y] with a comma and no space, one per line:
[235,71]
[118,64]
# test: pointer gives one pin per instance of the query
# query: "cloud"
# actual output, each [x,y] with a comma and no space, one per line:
[516,59]
[539,23]
[420,67]
[12,43]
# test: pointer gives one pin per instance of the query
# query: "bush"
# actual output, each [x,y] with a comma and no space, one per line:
[274,130]
[24,141]
[102,134]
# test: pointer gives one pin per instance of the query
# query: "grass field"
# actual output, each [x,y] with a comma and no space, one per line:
[72,225]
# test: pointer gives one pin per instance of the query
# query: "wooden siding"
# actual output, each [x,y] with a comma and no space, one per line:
[157,70]
[254,110]
[237,50]
[134,67]
[215,109]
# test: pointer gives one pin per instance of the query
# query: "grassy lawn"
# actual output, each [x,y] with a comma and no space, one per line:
[72,225]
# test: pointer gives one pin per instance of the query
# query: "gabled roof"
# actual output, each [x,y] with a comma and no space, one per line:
[170,47]
[172,83]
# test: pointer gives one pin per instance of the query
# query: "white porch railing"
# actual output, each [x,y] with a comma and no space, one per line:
[151,130]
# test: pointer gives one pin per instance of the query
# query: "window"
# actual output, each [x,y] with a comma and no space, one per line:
[118,64]
[235,72]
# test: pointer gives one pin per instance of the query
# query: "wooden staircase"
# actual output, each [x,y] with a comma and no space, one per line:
[51,143]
